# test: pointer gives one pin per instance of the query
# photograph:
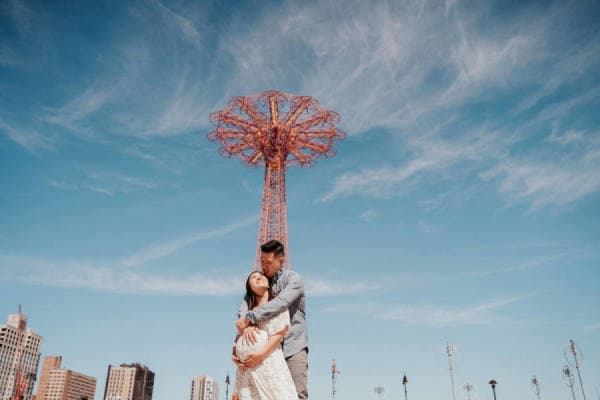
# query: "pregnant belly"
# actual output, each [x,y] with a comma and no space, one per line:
[243,349]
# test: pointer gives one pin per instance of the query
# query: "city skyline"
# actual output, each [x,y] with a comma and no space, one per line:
[462,207]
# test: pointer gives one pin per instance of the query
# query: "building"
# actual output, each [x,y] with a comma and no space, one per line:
[11,337]
[50,363]
[129,382]
[62,384]
[204,388]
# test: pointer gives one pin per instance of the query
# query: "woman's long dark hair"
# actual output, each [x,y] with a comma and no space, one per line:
[250,296]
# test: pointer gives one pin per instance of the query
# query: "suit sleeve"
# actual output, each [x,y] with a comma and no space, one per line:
[288,295]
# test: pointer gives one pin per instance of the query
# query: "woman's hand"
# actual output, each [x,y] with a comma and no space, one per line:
[238,363]
[254,360]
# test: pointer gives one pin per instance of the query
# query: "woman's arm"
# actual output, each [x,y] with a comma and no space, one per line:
[254,360]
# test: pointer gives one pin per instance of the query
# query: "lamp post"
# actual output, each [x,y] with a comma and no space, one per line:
[227,382]
[493,383]
[536,386]
[404,382]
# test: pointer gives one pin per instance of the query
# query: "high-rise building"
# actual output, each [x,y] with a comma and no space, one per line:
[129,382]
[49,363]
[62,384]
[204,388]
[12,339]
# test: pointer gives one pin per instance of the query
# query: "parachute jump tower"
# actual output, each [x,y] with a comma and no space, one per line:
[275,130]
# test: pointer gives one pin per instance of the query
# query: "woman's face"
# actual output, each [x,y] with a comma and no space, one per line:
[258,283]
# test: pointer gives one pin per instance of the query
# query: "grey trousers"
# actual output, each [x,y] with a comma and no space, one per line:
[298,365]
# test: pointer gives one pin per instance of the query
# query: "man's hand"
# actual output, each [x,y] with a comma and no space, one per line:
[254,360]
[249,334]
[242,323]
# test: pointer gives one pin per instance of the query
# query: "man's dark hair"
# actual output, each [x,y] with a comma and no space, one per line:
[273,246]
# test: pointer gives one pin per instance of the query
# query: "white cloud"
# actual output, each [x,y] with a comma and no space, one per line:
[73,114]
[429,315]
[85,275]
[28,139]
[369,215]
[592,327]
[547,183]
[165,249]
[331,288]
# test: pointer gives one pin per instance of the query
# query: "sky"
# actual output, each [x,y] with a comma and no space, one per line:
[463,205]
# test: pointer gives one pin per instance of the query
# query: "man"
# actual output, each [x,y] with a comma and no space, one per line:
[288,289]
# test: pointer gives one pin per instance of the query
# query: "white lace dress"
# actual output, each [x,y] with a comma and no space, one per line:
[271,380]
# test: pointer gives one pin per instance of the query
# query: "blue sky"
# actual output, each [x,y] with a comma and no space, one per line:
[463,205]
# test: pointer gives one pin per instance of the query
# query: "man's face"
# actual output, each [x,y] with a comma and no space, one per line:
[271,263]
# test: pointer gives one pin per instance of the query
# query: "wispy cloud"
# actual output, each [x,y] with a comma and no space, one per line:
[331,288]
[369,215]
[28,139]
[547,183]
[592,327]
[73,114]
[165,249]
[432,155]
[86,275]
[430,315]
[104,182]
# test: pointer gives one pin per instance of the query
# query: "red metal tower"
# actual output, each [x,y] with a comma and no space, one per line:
[275,130]
[20,381]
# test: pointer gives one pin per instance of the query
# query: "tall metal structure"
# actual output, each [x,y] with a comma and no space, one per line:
[334,374]
[450,349]
[20,382]
[568,378]
[574,350]
[535,384]
[404,383]
[275,130]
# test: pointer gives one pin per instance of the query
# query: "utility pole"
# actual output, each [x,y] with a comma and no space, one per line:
[404,382]
[575,351]
[449,350]
[334,374]
[568,378]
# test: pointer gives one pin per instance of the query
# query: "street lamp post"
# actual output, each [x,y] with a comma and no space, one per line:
[404,382]
[493,383]
[227,382]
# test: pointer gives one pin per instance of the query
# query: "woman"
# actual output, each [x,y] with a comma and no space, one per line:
[271,378]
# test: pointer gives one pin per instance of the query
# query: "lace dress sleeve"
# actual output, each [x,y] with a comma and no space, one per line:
[278,323]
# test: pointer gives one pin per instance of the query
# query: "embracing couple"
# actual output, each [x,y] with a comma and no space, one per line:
[271,348]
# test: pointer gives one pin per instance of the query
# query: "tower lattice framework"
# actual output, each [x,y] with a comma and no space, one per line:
[275,130]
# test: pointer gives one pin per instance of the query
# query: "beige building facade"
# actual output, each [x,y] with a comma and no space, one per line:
[10,337]
[129,382]
[204,388]
[64,384]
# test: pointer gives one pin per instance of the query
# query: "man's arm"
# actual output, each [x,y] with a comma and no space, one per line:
[289,294]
